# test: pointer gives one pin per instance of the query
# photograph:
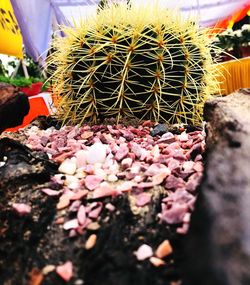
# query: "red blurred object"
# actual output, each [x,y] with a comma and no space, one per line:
[245,51]
[32,90]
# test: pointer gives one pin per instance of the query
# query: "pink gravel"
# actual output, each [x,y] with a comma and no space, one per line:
[108,161]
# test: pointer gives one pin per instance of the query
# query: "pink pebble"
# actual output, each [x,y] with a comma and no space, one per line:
[110,207]
[81,215]
[71,224]
[65,271]
[51,192]
[92,181]
[143,199]
[144,252]
[21,208]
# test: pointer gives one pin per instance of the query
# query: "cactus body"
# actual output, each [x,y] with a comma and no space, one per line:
[133,61]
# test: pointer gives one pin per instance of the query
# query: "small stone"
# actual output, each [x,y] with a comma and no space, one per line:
[198,166]
[156,261]
[159,130]
[167,138]
[86,135]
[59,221]
[164,249]
[48,268]
[91,241]
[81,215]
[112,178]
[143,199]
[65,271]
[100,173]
[183,137]
[96,153]
[72,182]
[92,182]
[110,207]
[51,192]
[21,208]
[80,174]
[93,226]
[79,282]
[71,224]
[68,166]
[147,123]
[138,178]
[144,251]
[64,202]
[81,157]
[70,179]
[159,178]
[79,195]
[126,162]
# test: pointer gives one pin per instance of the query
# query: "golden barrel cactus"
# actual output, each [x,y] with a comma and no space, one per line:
[141,61]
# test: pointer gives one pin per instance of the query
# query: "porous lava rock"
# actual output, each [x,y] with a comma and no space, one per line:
[218,247]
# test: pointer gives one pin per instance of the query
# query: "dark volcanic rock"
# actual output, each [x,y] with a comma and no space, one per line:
[22,176]
[31,242]
[218,249]
[159,130]
[21,164]
[14,106]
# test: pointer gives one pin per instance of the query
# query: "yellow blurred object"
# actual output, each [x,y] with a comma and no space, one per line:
[233,74]
[11,42]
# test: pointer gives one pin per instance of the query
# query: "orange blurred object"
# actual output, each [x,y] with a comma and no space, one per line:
[230,21]
[40,105]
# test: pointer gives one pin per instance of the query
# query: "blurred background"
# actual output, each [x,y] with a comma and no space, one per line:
[27,28]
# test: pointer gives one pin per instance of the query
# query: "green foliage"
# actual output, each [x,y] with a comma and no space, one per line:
[3,71]
[245,35]
[144,62]
[32,67]
[23,82]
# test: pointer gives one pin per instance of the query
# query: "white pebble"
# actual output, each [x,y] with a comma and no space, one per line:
[68,166]
[100,173]
[70,179]
[112,178]
[2,163]
[80,173]
[48,268]
[96,153]
[183,137]
[81,157]
[138,178]
[127,162]
[114,168]
[144,252]
[98,165]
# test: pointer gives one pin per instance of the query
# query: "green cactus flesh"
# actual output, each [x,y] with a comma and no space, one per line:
[157,71]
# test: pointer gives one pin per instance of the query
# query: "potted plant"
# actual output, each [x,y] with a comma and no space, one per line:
[226,42]
[34,88]
[29,86]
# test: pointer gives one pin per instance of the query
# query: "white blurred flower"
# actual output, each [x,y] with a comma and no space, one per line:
[216,40]
[227,32]
[238,33]
[246,27]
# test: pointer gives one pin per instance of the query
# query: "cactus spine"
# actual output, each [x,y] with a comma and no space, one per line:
[138,61]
